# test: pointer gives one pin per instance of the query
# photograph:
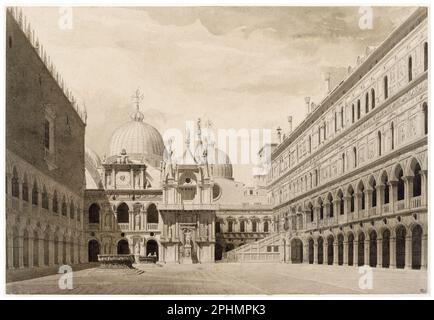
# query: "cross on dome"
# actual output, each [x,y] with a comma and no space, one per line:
[137,98]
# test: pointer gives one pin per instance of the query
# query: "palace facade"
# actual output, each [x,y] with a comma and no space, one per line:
[44,158]
[349,184]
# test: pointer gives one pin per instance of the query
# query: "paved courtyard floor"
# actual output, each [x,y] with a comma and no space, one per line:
[228,278]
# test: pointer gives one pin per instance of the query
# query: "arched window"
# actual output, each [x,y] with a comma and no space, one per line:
[71,210]
[321,210]
[358,110]
[55,202]
[254,226]
[392,136]
[35,194]
[352,113]
[336,121]
[230,225]
[351,194]
[325,131]
[316,177]
[242,226]
[341,202]
[425,117]
[417,182]
[44,198]
[342,117]
[64,207]
[15,184]
[379,142]
[425,56]
[372,98]
[152,213]
[410,69]
[311,212]
[363,196]
[331,210]
[310,144]
[343,162]
[319,135]
[400,189]
[386,190]
[122,213]
[94,213]
[367,102]
[355,156]
[386,87]
[25,189]
[265,226]
[374,194]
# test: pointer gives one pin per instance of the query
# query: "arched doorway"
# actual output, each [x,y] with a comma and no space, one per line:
[416,247]
[296,251]
[122,213]
[373,248]
[152,248]
[218,253]
[93,250]
[311,245]
[361,249]
[350,249]
[123,247]
[320,250]
[330,252]
[400,247]
[340,249]
[386,249]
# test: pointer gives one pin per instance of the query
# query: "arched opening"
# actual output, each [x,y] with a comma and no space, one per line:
[330,251]
[386,249]
[343,162]
[123,247]
[152,213]
[341,202]
[372,98]
[320,250]
[385,181]
[352,113]
[362,196]
[425,117]
[352,200]
[265,226]
[401,185]
[331,205]
[367,102]
[16,248]
[311,251]
[355,157]
[296,251]
[410,69]
[310,144]
[379,143]
[311,215]
[417,181]
[321,209]
[425,56]
[122,213]
[416,247]
[374,193]
[242,226]
[46,249]
[254,226]
[71,210]
[93,250]
[230,226]
[400,246]
[340,249]
[386,87]
[26,244]
[15,184]
[44,198]
[218,253]
[64,208]
[350,249]
[152,248]
[25,189]
[35,194]
[94,213]
[373,249]
[358,110]
[35,252]
[392,136]
[55,202]
[361,249]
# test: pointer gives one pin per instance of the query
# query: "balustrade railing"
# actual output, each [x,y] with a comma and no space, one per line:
[400,205]
[151,226]
[416,202]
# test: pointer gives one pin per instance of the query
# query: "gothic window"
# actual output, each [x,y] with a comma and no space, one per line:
[319,135]
[410,69]
[374,194]
[363,196]
[351,193]
[25,189]
[417,182]
[343,162]
[310,144]
[355,156]
[15,184]
[342,117]
[242,226]
[386,87]
[379,142]
[230,226]
[324,132]
[47,134]
[321,209]
[367,102]
[122,213]
[152,214]
[64,208]
[352,113]
[372,98]
[401,188]
[71,210]
[358,110]
[425,117]
[35,194]
[254,226]
[266,226]
[55,202]
[425,56]
[392,136]
[44,198]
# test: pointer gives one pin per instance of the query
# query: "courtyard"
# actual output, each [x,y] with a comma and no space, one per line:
[230,278]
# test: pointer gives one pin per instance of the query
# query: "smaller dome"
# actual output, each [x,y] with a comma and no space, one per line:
[220,162]
[91,164]
[92,157]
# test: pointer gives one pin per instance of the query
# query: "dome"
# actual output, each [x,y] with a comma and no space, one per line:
[92,157]
[221,166]
[141,141]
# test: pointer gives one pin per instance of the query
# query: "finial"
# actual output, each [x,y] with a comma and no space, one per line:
[137,98]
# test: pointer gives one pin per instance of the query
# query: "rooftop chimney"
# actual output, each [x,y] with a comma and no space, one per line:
[307,100]
[290,124]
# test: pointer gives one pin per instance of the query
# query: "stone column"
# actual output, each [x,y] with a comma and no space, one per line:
[408,252]
[315,251]
[10,252]
[408,189]
[325,251]
[335,253]
[347,205]
[424,252]
[380,198]
[306,253]
[368,204]
[366,252]
[393,194]
[30,250]
[379,252]
[356,253]
[21,251]
[345,253]
[51,252]
[392,251]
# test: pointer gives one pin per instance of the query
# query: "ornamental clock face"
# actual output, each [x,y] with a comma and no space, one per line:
[123,179]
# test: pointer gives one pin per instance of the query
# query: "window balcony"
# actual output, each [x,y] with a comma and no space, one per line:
[416,202]
[152,226]
[386,208]
[400,205]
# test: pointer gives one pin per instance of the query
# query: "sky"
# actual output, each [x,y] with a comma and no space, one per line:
[239,67]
